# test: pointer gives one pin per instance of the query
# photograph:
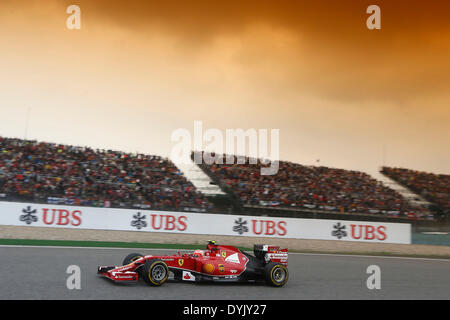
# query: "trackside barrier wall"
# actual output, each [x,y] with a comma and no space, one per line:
[48,215]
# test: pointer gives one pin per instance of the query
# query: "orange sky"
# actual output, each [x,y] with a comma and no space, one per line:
[138,70]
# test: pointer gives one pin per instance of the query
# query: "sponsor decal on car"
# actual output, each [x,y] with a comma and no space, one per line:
[209,268]
[187,276]
[123,277]
[234,258]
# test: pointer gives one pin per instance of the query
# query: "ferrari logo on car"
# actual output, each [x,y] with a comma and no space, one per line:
[180,262]
[224,254]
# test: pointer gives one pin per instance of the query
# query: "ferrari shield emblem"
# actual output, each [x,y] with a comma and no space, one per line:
[224,254]
[180,262]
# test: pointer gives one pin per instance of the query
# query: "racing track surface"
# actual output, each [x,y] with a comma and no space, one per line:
[40,273]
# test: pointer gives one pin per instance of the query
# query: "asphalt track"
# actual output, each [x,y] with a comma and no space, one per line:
[40,273]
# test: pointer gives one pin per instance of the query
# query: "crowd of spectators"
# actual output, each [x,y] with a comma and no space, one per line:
[310,187]
[54,173]
[48,172]
[433,187]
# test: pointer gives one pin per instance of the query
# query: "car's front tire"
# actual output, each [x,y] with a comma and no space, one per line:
[155,272]
[131,258]
[276,274]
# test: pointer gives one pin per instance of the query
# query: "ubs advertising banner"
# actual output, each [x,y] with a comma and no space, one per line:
[48,215]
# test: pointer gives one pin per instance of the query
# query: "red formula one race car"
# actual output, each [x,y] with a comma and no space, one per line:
[217,263]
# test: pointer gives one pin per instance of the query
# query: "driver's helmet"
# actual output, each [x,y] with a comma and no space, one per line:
[199,253]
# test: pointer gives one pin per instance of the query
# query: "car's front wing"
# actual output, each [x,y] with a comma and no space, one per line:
[119,274]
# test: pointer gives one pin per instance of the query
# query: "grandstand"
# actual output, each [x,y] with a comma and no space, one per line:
[299,188]
[41,172]
[435,188]
[61,174]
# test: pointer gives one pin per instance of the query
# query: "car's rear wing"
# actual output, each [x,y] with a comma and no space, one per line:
[271,253]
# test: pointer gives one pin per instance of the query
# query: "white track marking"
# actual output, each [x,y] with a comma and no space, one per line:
[290,253]
[367,256]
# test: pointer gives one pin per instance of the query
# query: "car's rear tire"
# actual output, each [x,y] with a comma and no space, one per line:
[131,258]
[276,274]
[155,272]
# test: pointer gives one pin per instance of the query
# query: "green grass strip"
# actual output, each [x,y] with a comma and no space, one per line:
[103,244]
[142,245]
